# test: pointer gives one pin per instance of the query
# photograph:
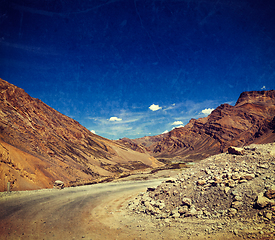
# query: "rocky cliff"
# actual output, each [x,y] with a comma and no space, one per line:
[39,145]
[251,120]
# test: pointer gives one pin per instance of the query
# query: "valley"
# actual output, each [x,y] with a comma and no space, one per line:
[211,179]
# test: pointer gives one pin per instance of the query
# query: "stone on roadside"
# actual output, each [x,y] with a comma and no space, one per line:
[171,180]
[58,184]
[236,150]
[192,212]
[183,210]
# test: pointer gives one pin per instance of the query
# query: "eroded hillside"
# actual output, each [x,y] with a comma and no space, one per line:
[39,145]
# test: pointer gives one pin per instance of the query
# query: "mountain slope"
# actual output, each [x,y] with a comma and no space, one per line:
[39,145]
[251,120]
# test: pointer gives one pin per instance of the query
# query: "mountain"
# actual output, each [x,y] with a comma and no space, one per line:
[144,144]
[251,120]
[39,145]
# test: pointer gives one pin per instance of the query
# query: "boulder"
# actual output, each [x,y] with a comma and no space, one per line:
[58,184]
[270,193]
[171,180]
[236,150]
[183,210]
[262,201]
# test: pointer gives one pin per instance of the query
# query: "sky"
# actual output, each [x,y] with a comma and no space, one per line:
[134,68]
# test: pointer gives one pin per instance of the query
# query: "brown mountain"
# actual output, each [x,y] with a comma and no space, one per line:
[144,144]
[39,145]
[251,120]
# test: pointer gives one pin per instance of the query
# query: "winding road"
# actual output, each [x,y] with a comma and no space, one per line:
[86,212]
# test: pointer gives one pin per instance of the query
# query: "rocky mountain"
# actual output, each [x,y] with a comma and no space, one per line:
[144,144]
[251,120]
[39,145]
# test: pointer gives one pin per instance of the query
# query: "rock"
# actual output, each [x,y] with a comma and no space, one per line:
[231,183]
[226,190]
[262,201]
[248,176]
[58,184]
[232,211]
[186,201]
[235,176]
[264,166]
[270,193]
[161,205]
[183,210]
[272,152]
[171,180]
[217,180]
[235,150]
[192,212]
[151,189]
[201,182]
[268,215]
[237,198]
[242,181]
[175,213]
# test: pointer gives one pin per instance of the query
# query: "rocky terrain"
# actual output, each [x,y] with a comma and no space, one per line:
[250,120]
[229,194]
[39,145]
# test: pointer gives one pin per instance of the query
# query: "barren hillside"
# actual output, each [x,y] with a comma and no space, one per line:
[39,145]
[251,120]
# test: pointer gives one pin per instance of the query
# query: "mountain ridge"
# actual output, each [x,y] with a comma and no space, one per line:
[60,146]
[250,120]
[39,145]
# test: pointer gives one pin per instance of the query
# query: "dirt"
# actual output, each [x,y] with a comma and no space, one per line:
[117,210]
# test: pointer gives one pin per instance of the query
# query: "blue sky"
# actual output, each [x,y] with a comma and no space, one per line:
[132,68]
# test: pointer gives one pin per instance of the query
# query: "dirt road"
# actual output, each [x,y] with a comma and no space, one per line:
[96,212]
[87,212]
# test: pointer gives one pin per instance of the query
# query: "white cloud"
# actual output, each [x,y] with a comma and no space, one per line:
[93,131]
[177,127]
[177,123]
[207,111]
[166,131]
[170,107]
[154,107]
[263,88]
[112,119]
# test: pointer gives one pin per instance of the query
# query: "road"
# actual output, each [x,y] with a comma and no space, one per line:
[86,212]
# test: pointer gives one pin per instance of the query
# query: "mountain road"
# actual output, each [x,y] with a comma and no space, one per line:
[85,212]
